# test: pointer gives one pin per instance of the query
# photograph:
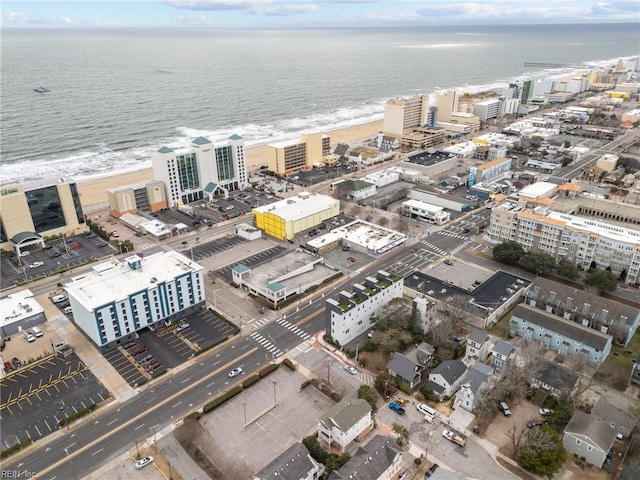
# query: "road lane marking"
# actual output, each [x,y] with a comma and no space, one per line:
[97,451]
[139,426]
[113,421]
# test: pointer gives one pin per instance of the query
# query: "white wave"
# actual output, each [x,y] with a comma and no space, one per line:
[444,45]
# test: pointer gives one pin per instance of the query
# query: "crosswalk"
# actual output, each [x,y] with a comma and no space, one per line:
[434,248]
[267,345]
[366,378]
[447,233]
[291,327]
[258,322]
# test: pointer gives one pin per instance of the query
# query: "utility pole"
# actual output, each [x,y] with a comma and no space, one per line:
[244,407]
[329,371]
[357,345]
[274,393]
[137,450]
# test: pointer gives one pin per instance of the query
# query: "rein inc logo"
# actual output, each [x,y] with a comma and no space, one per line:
[17,474]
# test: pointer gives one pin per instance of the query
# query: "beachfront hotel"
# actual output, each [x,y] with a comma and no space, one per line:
[290,156]
[403,114]
[117,298]
[31,212]
[201,170]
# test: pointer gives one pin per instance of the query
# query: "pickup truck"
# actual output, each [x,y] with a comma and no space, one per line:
[454,437]
[396,407]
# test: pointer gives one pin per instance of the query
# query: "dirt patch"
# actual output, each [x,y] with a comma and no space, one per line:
[187,436]
[572,471]
[497,430]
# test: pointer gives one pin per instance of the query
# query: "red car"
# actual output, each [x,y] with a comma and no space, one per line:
[74,246]
[7,366]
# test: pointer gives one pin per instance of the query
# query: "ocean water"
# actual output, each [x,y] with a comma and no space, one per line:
[118,95]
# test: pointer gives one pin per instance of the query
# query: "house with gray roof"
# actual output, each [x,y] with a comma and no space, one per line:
[408,368]
[477,346]
[617,415]
[553,378]
[347,421]
[503,355]
[588,436]
[447,377]
[380,459]
[475,382]
[563,336]
[295,463]
[604,315]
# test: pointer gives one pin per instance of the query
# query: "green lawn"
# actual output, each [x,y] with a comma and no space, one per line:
[617,367]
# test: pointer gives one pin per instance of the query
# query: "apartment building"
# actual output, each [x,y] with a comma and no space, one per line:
[147,196]
[450,111]
[566,237]
[36,210]
[118,298]
[347,421]
[289,156]
[496,107]
[353,313]
[403,114]
[204,168]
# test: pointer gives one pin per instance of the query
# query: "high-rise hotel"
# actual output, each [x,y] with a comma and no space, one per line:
[203,168]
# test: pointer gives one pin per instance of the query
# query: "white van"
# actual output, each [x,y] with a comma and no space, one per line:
[36,331]
[67,310]
[27,334]
[428,412]
[58,298]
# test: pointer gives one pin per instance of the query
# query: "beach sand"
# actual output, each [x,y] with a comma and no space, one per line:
[94,191]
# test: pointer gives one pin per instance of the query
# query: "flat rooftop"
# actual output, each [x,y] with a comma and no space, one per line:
[375,238]
[18,306]
[115,280]
[299,206]
[429,158]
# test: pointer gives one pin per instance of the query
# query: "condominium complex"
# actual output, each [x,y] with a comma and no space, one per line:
[203,168]
[118,298]
[495,108]
[290,156]
[147,196]
[30,212]
[352,314]
[566,237]
[402,114]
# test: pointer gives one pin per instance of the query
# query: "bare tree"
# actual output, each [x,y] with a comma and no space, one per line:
[516,434]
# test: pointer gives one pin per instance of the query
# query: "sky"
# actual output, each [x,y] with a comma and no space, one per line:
[310,13]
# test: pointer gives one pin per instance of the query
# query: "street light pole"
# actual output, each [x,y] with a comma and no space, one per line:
[137,450]
[244,407]
[215,299]
[329,371]
[274,393]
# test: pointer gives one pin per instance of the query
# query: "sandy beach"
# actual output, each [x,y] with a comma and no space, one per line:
[94,191]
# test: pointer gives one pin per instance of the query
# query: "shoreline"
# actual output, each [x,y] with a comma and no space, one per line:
[93,191]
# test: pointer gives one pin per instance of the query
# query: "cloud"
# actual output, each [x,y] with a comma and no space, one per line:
[19,19]
[285,10]
[218,4]
[499,12]
[614,8]
[193,20]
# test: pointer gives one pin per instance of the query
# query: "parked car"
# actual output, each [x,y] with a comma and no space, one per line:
[431,470]
[16,363]
[545,411]
[143,462]
[36,264]
[504,408]
[351,369]
[36,331]
[74,246]
[7,366]
[235,372]
[535,422]
[182,326]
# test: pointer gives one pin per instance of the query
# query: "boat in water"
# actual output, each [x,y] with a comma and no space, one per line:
[41,89]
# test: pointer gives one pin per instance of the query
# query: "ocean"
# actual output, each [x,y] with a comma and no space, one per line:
[116,96]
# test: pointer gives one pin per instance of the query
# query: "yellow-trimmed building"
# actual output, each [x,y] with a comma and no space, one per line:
[149,196]
[286,218]
[30,213]
[291,156]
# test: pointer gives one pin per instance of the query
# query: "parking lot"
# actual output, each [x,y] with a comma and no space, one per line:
[58,255]
[36,397]
[208,249]
[311,177]
[252,261]
[153,351]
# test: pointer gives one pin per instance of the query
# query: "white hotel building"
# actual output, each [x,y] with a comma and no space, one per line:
[352,314]
[567,237]
[193,173]
[118,298]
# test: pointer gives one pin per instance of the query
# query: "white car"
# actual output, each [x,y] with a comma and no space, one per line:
[143,462]
[36,264]
[115,234]
[545,411]
[351,370]
[235,372]
[182,326]
[424,409]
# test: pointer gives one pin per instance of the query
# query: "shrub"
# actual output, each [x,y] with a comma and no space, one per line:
[209,347]
[305,384]
[267,370]
[418,462]
[216,402]
[159,372]
[406,389]
[250,381]
[289,363]
[193,416]
[79,414]
[14,448]
[315,450]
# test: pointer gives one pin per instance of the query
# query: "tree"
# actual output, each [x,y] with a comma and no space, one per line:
[516,434]
[539,263]
[560,417]
[402,432]
[567,270]
[603,280]
[508,252]
[542,452]
[383,384]
[367,393]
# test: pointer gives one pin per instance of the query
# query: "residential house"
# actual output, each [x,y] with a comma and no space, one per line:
[477,346]
[408,368]
[589,436]
[380,459]
[563,336]
[617,416]
[347,421]
[476,380]
[503,356]
[354,189]
[554,378]
[447,377]
[295,463]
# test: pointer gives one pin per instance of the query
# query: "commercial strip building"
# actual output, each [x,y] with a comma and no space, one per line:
[201,170]
[566,237]
[286,218]
[118,298]
[425,211]
[353,313]
[40,209]
[279,279]
[285,158]
[148,196]
[19,311]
